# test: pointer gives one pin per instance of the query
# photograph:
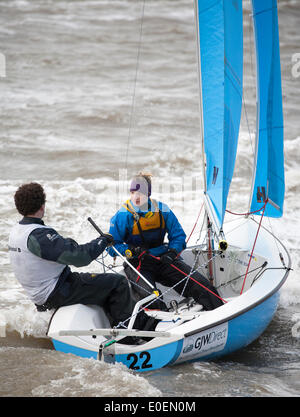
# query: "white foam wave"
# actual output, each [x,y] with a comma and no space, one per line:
[87,377]
[47,373]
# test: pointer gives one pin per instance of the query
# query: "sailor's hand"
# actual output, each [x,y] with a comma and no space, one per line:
[109,238]
[137,251]
[169,257]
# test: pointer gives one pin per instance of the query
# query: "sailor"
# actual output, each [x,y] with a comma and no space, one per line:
[40,258]
[139,228]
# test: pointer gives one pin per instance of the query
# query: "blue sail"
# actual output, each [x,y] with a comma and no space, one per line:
[220,26]
[269,173]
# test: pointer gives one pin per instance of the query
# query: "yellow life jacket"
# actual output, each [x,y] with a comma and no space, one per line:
[148,230]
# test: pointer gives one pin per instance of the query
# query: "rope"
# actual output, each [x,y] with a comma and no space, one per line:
[201,285]
[240,276]
[250,212]
[195,223]
[193,279]
[138,268]
[192,269]
[258,229]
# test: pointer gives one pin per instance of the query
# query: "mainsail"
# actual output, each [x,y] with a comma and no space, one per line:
[220,40]
[268,179]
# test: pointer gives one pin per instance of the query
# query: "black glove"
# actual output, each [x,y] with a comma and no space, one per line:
[109,238]
[137,251]
[169,257]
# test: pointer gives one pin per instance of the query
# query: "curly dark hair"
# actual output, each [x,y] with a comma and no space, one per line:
[29,198]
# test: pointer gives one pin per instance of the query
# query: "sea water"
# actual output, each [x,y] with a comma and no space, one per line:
[93,91]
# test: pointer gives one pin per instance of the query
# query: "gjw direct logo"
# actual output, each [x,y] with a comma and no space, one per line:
[2,65]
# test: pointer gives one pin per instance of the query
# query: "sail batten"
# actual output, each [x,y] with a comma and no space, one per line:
[268,179]
[220,40]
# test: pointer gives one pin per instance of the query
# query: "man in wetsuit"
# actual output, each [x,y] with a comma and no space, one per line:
[40,259]
[138,229]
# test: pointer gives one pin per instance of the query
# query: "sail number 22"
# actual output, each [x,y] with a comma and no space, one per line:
[144,357]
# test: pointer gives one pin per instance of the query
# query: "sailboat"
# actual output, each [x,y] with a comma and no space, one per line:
[246,261]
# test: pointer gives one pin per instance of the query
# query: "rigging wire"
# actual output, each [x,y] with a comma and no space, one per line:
[195,223]
[250,259]
[135,84]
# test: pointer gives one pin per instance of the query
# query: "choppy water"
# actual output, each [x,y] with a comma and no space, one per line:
[76,117]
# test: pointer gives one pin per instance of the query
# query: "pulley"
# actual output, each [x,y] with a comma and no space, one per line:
[223,245]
